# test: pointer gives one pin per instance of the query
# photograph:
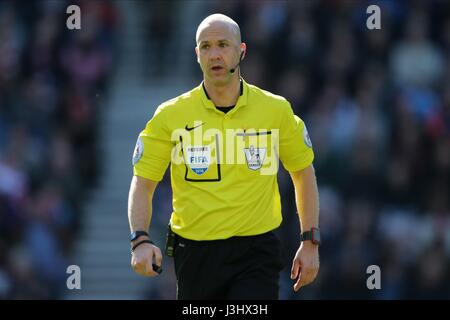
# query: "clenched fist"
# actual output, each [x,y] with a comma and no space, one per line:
[142,259]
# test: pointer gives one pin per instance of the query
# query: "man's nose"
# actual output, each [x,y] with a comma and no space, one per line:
[214,54]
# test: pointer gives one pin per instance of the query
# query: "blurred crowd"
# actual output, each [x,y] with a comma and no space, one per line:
[52,82]
[377,107]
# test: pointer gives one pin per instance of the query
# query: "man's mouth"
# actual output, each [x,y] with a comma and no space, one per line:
[217,68]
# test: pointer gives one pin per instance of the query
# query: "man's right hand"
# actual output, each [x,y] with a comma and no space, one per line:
[142,259]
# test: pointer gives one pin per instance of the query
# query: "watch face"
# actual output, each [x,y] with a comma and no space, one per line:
[137,234]
[315,236]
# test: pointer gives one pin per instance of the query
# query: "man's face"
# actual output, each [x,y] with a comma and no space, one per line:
[218,51]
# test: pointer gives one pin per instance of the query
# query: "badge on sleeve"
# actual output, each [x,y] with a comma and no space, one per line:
[306,137]
[138,151]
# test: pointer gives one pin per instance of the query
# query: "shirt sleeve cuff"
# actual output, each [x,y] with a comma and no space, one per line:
[147,174]
[300,162]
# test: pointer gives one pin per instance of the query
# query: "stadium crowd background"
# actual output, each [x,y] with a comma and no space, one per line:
[376,103]
[50,80]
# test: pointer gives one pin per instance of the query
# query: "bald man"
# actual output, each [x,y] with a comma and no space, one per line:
[225,211]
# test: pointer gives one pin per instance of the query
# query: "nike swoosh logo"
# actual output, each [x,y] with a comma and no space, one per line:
[192,128]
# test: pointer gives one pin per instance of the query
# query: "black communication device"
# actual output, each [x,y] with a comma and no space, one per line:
[157,268]
[170,242]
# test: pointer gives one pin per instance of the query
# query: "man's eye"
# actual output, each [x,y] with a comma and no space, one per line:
[205,46]
[223,45]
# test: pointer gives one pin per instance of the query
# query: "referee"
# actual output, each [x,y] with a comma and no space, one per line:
[223,140]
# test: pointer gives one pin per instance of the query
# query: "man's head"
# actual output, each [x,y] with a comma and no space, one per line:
[218,48]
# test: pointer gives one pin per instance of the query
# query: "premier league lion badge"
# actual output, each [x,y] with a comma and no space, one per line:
[255,157]
[138,151]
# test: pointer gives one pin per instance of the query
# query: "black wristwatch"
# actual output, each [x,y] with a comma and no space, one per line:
[313,235]
[136,234]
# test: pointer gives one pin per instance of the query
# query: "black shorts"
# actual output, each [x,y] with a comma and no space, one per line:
[235,268]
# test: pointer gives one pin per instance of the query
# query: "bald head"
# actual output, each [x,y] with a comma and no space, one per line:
[219,21]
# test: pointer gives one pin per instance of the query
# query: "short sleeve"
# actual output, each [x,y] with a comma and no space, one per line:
[153,148]
[296,152]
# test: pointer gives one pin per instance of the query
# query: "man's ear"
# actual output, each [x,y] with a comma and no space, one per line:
[198,57]
[244,50]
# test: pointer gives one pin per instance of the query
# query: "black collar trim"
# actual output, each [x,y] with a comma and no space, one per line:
[241,88]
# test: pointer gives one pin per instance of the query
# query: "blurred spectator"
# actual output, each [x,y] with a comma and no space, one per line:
[48,118]
[428,277]
[159,18]
[416,60]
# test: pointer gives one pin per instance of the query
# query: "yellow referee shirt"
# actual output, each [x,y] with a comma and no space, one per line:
[223,165]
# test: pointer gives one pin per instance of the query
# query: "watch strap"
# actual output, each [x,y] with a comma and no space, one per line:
[305,236]
[136,234]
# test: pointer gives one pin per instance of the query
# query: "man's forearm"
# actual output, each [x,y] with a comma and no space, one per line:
[306,198]
[140,204]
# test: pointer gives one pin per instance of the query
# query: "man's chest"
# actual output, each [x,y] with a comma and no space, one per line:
[237,141]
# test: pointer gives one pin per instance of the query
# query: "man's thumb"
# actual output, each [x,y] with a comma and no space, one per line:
[295,269]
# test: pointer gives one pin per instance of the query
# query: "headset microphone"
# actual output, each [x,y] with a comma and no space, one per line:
[240,59]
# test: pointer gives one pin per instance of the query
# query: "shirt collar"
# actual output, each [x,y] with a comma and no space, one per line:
[206,93]
[242,100]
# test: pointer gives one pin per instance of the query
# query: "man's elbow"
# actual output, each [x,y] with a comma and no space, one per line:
[144,183]
[308,171]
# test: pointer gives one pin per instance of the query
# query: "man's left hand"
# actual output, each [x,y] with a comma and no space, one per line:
[305,265]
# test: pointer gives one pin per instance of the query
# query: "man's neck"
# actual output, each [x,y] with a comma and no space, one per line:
[226,95]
